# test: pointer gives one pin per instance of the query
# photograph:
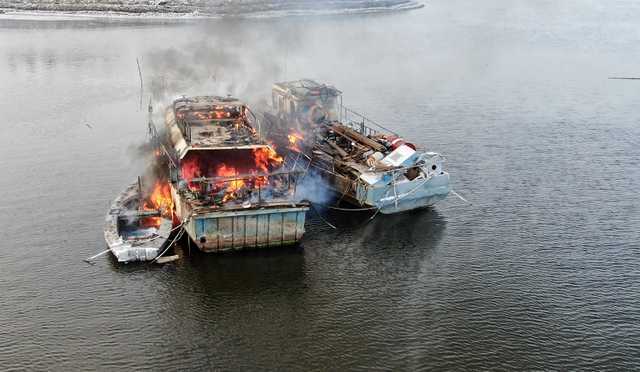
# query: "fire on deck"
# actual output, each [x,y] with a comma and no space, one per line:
[229,187]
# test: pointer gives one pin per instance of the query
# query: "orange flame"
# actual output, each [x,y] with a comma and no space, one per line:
[294,138]
[265,156]
[228,171]
[249,169]
[189,170]
[233,186]
[161,200]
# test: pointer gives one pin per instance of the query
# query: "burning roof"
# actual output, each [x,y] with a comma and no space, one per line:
[211,122]
[221,159]
[203,108]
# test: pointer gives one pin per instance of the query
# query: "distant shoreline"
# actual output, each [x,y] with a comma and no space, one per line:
[256,9]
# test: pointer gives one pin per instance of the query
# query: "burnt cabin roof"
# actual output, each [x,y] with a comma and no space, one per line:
[207,121]
[187,105]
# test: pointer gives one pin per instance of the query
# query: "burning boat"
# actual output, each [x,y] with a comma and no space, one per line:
[137,227]
[364,163]
[230,188]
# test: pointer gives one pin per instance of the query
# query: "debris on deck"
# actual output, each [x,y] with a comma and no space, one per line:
[365,163]
[228,182]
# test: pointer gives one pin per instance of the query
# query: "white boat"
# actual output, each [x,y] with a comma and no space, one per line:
[366,164]
[134,232]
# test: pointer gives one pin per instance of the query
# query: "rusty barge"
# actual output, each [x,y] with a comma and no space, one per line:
[229,187]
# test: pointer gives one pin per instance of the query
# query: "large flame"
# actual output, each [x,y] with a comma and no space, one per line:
[263,157]
[233,185]
[250,167]
[189,170]
[160,199]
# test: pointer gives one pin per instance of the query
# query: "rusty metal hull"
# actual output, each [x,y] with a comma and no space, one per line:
[242,229]
[228,229]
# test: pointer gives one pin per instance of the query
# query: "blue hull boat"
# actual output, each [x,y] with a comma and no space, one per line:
[366,164]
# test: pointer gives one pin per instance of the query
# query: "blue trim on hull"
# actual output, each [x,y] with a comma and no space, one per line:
[408,195]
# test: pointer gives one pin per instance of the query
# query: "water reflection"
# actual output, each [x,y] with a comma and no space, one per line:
[418,228]
[252,270]
[388,251]
[400,243]
[525,279]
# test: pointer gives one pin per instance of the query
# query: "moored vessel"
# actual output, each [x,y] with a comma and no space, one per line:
[361,161]
[229,187]
[137,228]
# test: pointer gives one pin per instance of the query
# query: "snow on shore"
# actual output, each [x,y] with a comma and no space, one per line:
[199,8]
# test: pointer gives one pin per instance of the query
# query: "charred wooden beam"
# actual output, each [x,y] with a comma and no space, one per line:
[358,137]
[337,148]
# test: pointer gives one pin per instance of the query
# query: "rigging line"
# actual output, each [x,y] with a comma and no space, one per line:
[166,237]
[350,209]
[322,218]
[460,197]
[178,236]
[402,196]
[372,217]
[343,194]
[90,259]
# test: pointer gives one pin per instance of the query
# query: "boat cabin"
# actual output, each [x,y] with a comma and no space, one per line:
[219,156]
[211,122]
[228,185]
[306,101]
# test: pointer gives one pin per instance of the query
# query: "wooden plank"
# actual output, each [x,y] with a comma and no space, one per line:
[337,148]
[166,259]
[358,137]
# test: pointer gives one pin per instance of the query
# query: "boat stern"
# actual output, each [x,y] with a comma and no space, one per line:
[227,230]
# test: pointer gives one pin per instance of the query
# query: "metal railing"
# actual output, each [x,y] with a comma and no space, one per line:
[361,123]
[239,189]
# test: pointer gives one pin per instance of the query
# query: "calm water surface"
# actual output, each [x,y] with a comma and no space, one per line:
[541,272]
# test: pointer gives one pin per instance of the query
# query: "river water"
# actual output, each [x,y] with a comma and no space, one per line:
[540,272]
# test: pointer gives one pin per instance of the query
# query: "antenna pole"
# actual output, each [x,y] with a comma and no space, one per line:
[140,197]
[141,82]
